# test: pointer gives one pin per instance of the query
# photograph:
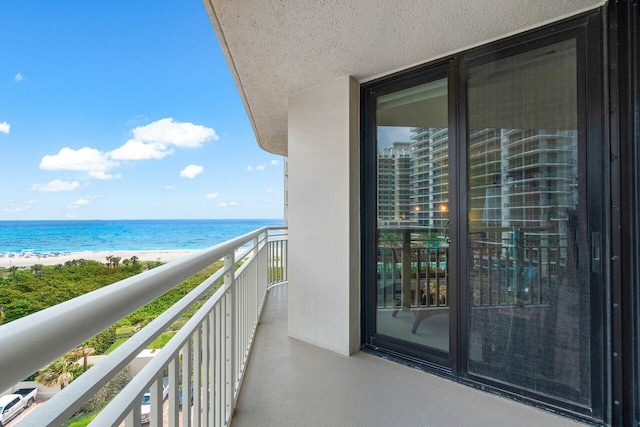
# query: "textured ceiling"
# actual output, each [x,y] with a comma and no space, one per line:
[276,48]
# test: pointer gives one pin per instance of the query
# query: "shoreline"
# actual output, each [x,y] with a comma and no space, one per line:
[27,260]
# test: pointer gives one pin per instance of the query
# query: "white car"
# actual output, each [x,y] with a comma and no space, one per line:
[12,404]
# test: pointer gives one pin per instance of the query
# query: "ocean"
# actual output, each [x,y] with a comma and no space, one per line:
[52,237]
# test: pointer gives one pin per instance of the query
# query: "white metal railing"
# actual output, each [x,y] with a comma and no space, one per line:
[205,361]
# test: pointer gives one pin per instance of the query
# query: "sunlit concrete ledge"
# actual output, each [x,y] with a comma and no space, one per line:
[291,383]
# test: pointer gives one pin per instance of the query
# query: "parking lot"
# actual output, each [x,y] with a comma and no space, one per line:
[24,413]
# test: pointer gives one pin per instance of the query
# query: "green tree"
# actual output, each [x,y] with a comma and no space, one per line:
[37,269]
[62,371]
[17,308]
[103,340]
[13,269]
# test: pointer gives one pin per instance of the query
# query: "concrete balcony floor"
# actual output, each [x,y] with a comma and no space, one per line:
[291,383]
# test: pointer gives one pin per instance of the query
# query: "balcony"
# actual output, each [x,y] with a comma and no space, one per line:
[203,363]
[291,383]
[288,382]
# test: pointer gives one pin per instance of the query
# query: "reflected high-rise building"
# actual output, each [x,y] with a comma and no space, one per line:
[430,176]
[394,184]
[517,180]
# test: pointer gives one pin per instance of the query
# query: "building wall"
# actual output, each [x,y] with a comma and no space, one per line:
[323,203]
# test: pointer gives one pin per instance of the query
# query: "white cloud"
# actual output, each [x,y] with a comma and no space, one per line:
[137,120]
[260,168]
[249,168]
[274,163]
[5,127]
[191,171]
[86,159]
[77,204]
[152,141]
[268,190]
[16,209]
[268,200]
[57,185]
[19,77]
[167,131]
[169,187]
[103,175]
[212,195]
[229,204]
[387,135]
[138,150]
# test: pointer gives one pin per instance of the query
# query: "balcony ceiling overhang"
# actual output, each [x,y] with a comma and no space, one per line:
[277,48]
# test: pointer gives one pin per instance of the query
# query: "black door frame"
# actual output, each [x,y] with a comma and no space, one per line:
[419,355]
[587,29]
[622,19]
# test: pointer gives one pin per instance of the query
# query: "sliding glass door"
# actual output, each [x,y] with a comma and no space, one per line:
[412,280]
[482,210]
[528,267]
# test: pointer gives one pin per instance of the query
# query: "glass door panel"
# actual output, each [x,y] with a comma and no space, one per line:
[412,247]
[528,265]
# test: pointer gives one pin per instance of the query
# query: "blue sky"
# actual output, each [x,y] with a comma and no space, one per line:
[124,110]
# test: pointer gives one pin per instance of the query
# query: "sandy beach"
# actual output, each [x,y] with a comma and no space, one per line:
[21,260]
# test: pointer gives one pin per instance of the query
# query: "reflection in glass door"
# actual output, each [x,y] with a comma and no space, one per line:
[528,254]
[412,248]
[483,218]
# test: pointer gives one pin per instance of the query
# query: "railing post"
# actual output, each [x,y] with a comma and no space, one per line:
[229,281]
[269,261]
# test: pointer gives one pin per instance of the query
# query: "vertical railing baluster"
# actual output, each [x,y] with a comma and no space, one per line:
[427,285]
[269,262]
[230,303]
[133,417]
[197,384]
[445,279]
[219,388]
[489,276]
[212,370]
[174,385]
[156,402]
[285,263]
[187,392]
[539,276]
[241,315]
[205,372]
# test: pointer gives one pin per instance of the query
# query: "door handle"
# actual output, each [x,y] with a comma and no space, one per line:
[596,256]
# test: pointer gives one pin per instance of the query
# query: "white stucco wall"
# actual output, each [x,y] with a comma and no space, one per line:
[323,195]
